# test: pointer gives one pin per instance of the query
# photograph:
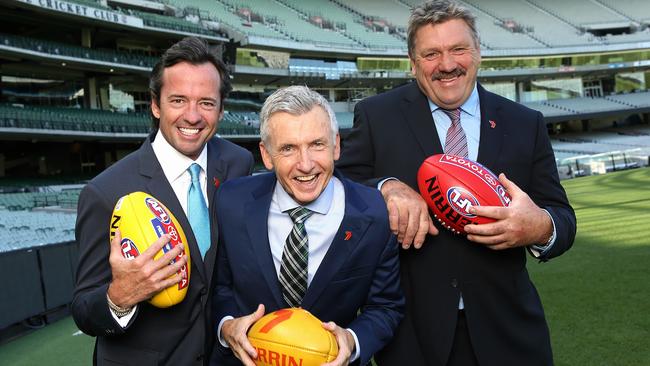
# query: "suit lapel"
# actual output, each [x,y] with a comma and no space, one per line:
[215,174]
[257,214]
[493,129]
[160,188]
[419,119]
[350,233]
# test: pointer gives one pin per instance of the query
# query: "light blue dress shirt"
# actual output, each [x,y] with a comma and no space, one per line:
[470,120]
[321,227]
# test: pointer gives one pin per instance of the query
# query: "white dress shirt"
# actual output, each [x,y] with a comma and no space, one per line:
[174,165]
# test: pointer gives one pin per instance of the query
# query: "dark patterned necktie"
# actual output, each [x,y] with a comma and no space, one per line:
[456,141]
[293,271]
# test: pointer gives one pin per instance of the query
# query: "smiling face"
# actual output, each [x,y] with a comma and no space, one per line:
[190,106]
[445,61]
[302,152]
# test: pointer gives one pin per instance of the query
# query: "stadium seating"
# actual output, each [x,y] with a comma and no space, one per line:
[640,36]
[545,28]
[331,70]
[581,12]
[215,10]
[493,36]
[345,119]
[633,9]
[88,54]
[353,24]
[169,22]
[28,200]
[27,229]
[639,99]
[587,105]
[392,11]
[91,120]
[290,22]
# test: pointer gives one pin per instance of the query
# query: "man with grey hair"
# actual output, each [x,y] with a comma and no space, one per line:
[304,236]
[469,300]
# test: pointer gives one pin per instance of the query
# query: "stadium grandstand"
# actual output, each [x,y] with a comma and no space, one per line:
[74,88]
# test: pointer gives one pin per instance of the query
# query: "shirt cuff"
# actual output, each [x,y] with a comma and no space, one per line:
[538,250]
[381,182]
[219,336]
[123,321]
[357,351]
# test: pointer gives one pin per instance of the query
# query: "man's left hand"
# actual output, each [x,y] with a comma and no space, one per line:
[345,341]
[521,223]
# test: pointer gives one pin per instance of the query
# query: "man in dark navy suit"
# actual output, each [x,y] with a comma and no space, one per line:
[304,236]
[469,300]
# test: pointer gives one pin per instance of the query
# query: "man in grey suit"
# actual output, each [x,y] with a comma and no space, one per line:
[188,87]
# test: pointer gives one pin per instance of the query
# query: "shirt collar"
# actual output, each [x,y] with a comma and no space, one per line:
[173,162]
[320,205]
[471,105]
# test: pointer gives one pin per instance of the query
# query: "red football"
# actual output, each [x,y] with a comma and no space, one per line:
[451,185]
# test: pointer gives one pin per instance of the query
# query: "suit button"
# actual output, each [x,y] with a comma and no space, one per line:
[204,291]
[199,358]
[454,283]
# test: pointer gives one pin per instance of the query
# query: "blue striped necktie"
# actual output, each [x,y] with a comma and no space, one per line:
[197,211]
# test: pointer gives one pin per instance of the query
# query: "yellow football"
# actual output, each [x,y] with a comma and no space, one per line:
[290,337]
[142,219]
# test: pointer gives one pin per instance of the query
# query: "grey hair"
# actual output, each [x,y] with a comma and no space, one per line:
[295,100]
[437,12]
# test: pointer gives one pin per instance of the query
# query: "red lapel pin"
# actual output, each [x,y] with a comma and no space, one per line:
[348,235]
[492,124]
[216,182]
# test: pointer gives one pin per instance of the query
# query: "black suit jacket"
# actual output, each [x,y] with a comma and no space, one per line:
[393,133]
[356,284]
[181,334]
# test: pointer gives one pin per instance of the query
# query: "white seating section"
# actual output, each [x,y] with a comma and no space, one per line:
[26,229]
[546,23]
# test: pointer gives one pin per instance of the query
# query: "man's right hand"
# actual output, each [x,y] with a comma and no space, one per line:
[140,278]
[408,214]
[233,332]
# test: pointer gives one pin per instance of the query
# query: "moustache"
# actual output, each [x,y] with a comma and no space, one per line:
[448,75]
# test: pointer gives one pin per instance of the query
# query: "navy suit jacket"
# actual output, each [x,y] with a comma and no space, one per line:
[393,134]
[360,271]
[181,334]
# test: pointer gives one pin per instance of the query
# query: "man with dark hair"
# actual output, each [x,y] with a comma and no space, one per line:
[469,300]
[181,164]
[194,51]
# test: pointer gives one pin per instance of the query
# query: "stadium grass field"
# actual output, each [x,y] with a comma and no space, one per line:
[596,295]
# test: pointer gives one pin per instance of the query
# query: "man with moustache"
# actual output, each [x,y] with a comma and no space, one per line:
[469,300]
[180,164]
[304,236]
